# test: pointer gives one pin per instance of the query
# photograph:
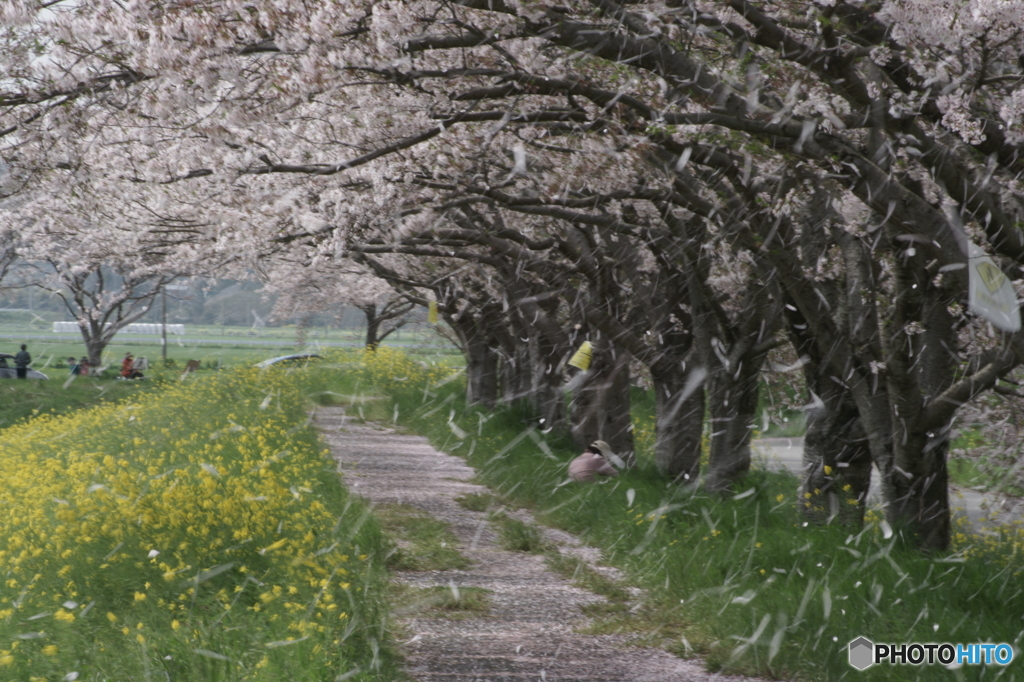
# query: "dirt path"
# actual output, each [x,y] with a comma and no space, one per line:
[529,633]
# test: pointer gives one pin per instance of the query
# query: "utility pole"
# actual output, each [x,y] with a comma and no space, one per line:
[163,326]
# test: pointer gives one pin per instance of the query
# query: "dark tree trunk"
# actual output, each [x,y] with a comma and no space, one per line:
[732,402]
[481,372]
[395,309]
[94,347]
[921,503]
[734,370]
[602,404]
[600,407]
[515,369]
[480,349]
[922,365]
[837,463]
[837,458]
[96,340]
[546,397]
[372,330]
[679,422]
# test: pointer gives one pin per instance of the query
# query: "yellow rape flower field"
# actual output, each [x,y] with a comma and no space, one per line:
[199,532]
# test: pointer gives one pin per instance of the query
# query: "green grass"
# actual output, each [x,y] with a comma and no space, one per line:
[50,357]
[971,470]
[272,339]
[793,425]
[21,400]
[452,602]
[518,536]
[970,473]
[420,542]
[478,502]
[585,576]
[742,581]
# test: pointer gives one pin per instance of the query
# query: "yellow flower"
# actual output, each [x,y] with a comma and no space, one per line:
[780,497]
[65,616]
[828,470]
[277,545]
[50,650]
[6,659]
[111,617]
[175,625]
[140,638]
[140,596]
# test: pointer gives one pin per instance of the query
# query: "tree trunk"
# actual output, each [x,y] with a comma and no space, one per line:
[921,363]
[481,372]
[372,330]
[921,503]
[920,479]
[837,457]
[481,359]
[600,407]
[514,369]
[836,463]
[94,346]
[732,399]
[679,423]
[546,396]
[376,319]
[95,343]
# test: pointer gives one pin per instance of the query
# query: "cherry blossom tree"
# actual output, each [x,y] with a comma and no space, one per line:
[831,160]
[105,254]
[323,284]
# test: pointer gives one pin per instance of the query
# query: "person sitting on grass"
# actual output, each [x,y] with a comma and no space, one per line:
[76,369]
[128,370]
[83,366]
[591,463]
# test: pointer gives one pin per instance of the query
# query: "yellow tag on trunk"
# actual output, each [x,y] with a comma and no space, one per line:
[432,312]
[581,358]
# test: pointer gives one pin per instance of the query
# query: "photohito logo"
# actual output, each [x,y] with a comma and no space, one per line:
[865,653]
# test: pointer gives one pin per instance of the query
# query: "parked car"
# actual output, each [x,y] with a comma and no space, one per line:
[9,372]
[297,359]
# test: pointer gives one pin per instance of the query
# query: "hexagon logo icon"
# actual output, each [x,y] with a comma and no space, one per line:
[862,653]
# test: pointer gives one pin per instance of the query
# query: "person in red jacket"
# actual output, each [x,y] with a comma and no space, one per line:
[128,370]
